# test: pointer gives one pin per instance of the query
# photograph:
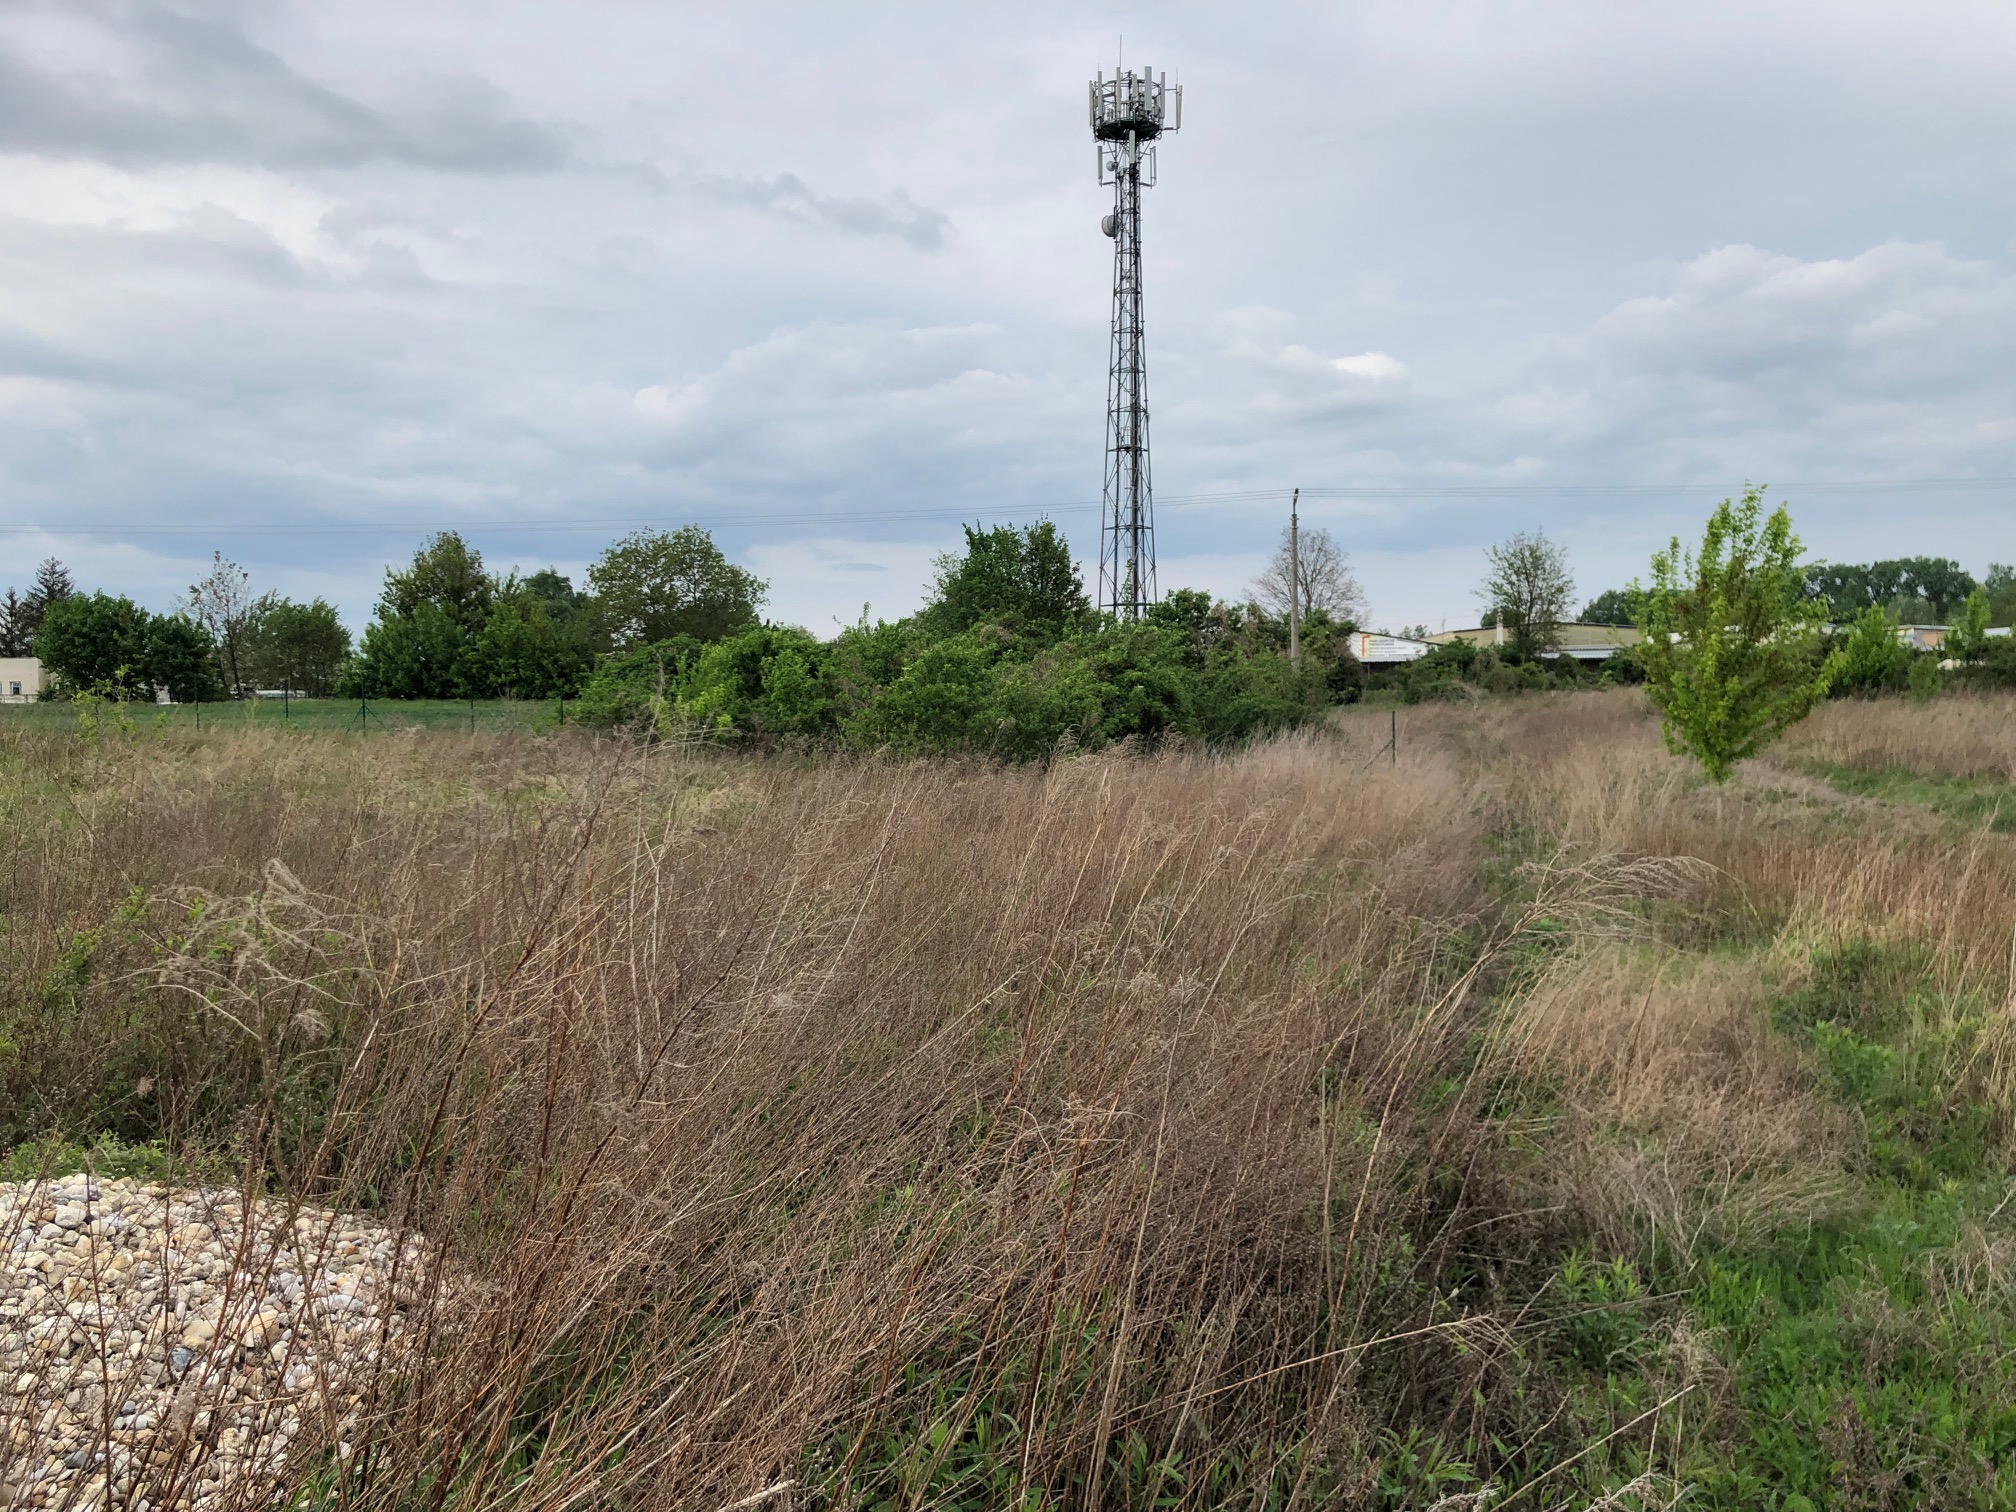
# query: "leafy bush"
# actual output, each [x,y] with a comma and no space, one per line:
[1729,637]
[1041,671]
[1873,659]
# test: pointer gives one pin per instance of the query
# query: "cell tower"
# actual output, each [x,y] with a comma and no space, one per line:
[1130,113]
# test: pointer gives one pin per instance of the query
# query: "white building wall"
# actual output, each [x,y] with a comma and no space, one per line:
[20,679]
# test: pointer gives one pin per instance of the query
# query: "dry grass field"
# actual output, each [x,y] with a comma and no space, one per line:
[1519,1124]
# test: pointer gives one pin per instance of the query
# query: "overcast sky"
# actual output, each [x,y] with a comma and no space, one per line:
[303,282]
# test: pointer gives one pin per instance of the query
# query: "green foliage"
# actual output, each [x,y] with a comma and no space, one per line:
[419,653]
[768,681]
[1528,590]
[635,687]
[522,651]
[1997,667]
[1007,660]
[1872,659]
[1021,580]
[297,646]
[656,585]
[1188,670]
[1935,586]
[1967,641]
[21,613]
[428,616]
[447,629]
[1614,606]
[447,573]
[182,659]
[106,1156]
[96,643]
[1730,639]
[2000,586]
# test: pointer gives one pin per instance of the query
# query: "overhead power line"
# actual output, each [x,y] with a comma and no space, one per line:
[749,520]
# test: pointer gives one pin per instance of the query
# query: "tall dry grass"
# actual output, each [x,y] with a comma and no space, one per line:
[770,1113]
[789,1126]
[1958,735]
[1590,773]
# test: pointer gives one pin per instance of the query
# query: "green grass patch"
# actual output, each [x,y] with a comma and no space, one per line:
[1868,1361]
[1972,801]
[331,715]
[113,1159]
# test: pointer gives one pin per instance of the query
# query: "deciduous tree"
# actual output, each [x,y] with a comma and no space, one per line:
[1528,588]
[224,605]
[1968,639]
[1613,606]
[96,643]
[1731,638]
[1324,576]
[1022,580]
[654,585]
[297,646]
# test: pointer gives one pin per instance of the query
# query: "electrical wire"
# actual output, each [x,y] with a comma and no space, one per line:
[844,517]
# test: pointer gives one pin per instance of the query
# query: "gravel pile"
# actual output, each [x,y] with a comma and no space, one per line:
[163,1348]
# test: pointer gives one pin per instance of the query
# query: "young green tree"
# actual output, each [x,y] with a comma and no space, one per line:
[1967,641]
[1872,659]
[656,585]
[1528,589]
[1730,637]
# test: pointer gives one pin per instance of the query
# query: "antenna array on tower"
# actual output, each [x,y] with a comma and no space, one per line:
[1129,112]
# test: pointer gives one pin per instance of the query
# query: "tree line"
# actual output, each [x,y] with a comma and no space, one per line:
[1007,655]
[220,640]
[1909,590]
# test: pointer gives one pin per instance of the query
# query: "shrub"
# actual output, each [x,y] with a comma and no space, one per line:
[1872,659]
[1729,637]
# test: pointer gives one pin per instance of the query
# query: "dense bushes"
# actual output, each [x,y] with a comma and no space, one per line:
[1461,670]
[1007,659]
[985,689]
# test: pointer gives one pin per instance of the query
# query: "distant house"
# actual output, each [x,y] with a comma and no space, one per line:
[1922,637]
[20,679]
[1578,642]
[1376,650]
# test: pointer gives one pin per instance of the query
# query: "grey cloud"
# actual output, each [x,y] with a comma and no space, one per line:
[1895,360]
[200,90]
[789,196]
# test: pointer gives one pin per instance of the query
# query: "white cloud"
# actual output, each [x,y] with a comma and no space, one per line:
[1374,365]
[265,266]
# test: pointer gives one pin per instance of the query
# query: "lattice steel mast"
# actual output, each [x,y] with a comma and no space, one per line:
[1130,113]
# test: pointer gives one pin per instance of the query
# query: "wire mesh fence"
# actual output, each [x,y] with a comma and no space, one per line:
[356,716]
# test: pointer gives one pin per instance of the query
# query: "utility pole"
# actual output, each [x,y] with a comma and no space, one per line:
[1295,580]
